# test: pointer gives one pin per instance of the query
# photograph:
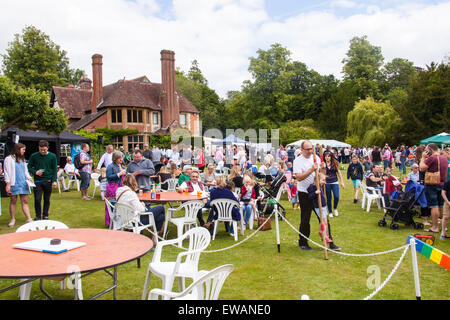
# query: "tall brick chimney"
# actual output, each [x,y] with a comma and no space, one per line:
[170,107]
[97,81]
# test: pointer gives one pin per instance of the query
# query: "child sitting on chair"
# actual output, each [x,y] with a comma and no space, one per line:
[248,196]
[313,194]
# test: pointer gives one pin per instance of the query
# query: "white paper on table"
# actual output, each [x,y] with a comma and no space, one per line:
[43,245]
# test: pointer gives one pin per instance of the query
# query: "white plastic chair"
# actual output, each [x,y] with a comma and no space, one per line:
[199,239]
[60,179]
[111,213]
[125,217]
[73,179]
[95,176]
[206,287]
[225,171]
[25,289]
[370,194]
[189,219]
[224,209]
[171,185]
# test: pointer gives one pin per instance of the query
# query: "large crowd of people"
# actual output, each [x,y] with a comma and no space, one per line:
[236,172]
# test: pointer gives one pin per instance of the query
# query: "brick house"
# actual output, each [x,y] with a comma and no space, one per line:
[151,108]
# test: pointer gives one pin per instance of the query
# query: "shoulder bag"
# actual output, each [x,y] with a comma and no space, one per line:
[433,178]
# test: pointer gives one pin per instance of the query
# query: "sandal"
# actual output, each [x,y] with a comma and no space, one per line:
[12,223]
[429,230]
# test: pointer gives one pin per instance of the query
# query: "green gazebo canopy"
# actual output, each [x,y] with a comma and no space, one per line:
[439,139]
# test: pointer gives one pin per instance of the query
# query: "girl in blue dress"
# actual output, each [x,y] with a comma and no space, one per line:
[16,176]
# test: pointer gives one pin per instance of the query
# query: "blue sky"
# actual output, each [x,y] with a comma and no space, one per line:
[282,9]
[223,34]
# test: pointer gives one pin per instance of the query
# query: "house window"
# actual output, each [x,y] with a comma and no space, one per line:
[134,116]
[65,150]
[183,119]
[116,116]
[155,118]
[135,141]
[117,142]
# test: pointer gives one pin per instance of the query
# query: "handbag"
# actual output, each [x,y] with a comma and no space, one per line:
[433,178]
[266,226]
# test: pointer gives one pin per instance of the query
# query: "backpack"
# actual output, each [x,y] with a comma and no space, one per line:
[77,162]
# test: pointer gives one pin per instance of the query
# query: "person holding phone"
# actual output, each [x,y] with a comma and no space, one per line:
[43,167]
[16,177]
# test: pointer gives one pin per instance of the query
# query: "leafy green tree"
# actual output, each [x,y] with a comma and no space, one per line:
[374,123]
[362,66]
[195,87]
[27,108]
[298,129]
[280,90]
[363,60]
[332,121]
[399,73]
[33,60]
[426,110]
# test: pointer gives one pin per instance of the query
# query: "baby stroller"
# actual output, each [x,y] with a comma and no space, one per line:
[267,204]
[401,210]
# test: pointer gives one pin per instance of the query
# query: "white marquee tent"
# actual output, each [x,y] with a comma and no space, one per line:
[331,143]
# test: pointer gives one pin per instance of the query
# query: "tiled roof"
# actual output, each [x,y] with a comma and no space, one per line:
[75,102]
[124,93]
[87,119]
[129,93]
[135,93]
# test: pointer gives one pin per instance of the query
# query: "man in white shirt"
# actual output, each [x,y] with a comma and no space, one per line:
[71,171]
[304,172]
[106,158]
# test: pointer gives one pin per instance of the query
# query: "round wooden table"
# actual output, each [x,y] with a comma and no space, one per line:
[104,249]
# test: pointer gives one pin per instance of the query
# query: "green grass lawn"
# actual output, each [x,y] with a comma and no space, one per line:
[261,273]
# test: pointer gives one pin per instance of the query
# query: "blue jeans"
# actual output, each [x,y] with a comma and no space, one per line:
[332,189]
[434,196]
[403,165]
[158,215]
[247,211]
[85,180]
[386,164]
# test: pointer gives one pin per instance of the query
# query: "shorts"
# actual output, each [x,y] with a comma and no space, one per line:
[434,196]
[85,180]
[324,212]
[446,211]
[356,183]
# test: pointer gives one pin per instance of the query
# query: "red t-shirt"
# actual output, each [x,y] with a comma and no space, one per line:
[432,163]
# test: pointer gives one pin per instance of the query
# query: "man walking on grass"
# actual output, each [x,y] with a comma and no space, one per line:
[43,167]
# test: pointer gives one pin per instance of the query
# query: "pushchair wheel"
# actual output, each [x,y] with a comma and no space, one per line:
[393,226]
[382,223]
[418,225]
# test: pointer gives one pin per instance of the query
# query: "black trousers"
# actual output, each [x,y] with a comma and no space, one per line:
[306,208]
[42,188]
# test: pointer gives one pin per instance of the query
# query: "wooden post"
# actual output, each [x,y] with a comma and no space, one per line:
[323,227]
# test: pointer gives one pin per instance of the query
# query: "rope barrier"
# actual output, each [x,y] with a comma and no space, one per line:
[244,240]
[338,252]
[389,276]
[394,270]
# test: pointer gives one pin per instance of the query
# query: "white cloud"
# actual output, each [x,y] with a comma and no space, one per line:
[222,34]
[343,4]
